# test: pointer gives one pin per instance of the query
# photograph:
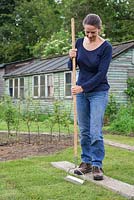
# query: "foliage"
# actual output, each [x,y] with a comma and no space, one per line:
[9,113]
[27,26]
[117,16]
[38,48]
[28,116]
[28,22]
[20,117]
[130,89]
[58,44]
[42,117]
[124,120]
[111,109]
[59,116]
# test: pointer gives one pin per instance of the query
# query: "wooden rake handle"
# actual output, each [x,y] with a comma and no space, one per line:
[74,96]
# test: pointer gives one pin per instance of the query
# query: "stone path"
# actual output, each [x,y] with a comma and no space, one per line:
[119,145]
[120,187]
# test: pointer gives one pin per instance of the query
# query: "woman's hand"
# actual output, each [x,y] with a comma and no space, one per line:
[76,89]
[72,53]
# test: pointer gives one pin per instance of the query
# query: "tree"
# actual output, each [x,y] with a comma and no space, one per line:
[29,22]
[119,24]
[58,44]
[117,16]
[7,27]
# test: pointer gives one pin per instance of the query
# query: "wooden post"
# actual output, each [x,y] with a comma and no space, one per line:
[74,96]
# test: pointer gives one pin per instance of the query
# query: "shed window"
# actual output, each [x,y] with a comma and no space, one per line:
[11,87]
[42,86]
[68,84]
[36,84]
[49,86]
[22,87]
[16,87]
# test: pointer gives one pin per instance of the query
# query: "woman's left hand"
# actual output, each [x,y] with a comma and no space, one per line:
[76,89]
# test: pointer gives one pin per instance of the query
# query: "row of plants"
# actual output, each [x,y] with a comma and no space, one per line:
[15,114]
[119,118]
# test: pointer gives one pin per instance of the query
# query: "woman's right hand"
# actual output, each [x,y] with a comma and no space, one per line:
[72,53]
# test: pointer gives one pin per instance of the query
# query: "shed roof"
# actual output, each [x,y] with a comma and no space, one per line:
[42,66]
[2,65]
[58,63]
[120,48]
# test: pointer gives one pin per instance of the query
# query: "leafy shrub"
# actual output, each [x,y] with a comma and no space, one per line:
[9,112]
[124,121]
[111,110]
[42,117]
[59,116]
[130,89]
[58,44]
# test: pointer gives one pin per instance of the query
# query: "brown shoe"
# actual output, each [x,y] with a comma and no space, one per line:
[97,173]
[83,169]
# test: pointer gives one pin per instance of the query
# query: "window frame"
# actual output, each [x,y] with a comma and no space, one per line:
[68,72]
[34,86]
[14,87]
[42,85]
[46,86]
[11,94]
[21,87]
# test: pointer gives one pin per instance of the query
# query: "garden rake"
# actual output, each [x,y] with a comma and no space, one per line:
[71,178]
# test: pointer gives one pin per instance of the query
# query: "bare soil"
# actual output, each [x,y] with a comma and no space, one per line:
[20,146]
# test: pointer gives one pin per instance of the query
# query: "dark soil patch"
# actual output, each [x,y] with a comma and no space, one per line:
[17,147]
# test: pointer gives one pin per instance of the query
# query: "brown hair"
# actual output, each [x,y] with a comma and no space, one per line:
[92,19]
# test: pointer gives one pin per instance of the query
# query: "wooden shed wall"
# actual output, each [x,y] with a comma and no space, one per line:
[44,104]
[120,69]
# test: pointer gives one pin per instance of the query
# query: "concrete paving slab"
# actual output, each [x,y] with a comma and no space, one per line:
[119,145]
[119,187]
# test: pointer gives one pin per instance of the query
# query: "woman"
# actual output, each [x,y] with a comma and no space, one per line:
[93,55]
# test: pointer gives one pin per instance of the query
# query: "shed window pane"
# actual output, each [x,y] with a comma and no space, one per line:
[42,86]
[68,84]
[21,82]
[68,90]
[36,81]
[16,88]
[11,87]
[35,91]
[49,86]
[22,87]
[68,78]
[16,83]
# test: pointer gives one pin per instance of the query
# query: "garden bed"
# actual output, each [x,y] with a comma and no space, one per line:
[17,147]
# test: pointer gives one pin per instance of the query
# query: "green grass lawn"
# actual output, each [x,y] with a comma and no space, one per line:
[35,178]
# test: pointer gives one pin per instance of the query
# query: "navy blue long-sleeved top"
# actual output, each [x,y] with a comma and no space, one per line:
[93,66]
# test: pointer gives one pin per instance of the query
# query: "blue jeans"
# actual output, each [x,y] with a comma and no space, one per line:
[90,110]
